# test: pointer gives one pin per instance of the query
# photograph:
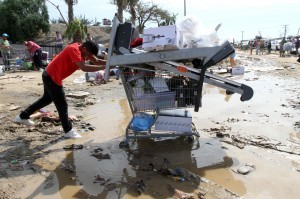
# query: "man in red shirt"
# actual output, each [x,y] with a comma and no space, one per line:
[72,58]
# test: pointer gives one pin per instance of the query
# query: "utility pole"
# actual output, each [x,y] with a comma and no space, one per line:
[285,29]
[242,35]
[184,8]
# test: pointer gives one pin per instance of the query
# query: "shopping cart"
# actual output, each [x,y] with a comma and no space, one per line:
[159,100]
[159,97]
[16,60]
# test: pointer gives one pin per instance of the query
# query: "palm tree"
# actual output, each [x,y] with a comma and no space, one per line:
[131,5]
[70,4]
[76,30]
[124,4]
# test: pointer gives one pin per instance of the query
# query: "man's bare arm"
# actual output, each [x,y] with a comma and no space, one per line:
[97,61]
[89,68]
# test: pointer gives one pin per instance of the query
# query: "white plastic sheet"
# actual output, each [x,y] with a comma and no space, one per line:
[196,35]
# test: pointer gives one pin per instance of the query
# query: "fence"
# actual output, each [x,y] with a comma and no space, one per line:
[51,49]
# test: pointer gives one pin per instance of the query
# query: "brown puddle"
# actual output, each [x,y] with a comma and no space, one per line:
[76,170]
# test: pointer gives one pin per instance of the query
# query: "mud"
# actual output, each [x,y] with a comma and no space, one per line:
[263,132]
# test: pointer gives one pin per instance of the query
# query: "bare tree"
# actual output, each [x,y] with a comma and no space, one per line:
[145,12]
[150,12]
[57,7]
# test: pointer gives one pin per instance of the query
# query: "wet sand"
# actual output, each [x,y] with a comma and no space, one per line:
[273,112]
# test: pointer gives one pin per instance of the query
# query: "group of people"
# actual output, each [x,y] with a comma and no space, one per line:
[34,50]
[255,44]
[73,57]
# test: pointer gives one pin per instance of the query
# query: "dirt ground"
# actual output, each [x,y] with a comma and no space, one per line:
[259,137]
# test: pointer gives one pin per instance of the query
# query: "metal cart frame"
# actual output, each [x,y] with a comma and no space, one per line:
[120,54]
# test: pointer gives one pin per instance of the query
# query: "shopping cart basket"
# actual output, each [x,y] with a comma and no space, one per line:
[158,100]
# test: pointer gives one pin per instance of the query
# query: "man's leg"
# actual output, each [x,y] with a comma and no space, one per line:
[57,94]
[40,103]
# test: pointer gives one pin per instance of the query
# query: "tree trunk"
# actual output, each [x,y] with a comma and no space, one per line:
[132,13]
[70,10]
[120,10]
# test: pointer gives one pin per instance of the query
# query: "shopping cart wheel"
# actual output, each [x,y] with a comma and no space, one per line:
[123,144]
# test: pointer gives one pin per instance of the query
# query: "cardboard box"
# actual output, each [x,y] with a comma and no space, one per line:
[162,38]
[240,70]
[177,120]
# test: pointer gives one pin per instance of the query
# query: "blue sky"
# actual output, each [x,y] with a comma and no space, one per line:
[240,19]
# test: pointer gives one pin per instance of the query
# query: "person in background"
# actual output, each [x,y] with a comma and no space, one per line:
[89,37]
[281,48]
[72,58]
[232,59]
[257,46]
[297,45]
[58,42]
[35,51]
[5,50]
[269,47]
[250,45]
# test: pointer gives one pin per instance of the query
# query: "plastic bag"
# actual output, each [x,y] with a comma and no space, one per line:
[196,35]
[1,71]
[142,122]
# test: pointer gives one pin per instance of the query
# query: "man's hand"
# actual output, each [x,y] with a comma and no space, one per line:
[96,61]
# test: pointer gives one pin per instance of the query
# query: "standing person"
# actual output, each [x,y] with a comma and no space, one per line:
[58,42]
[89,37]
[250,45]
[35,51]
[257,46]
[281,48]
[269,47]
[297,45]
[232,59]
[5,50]
[72,58]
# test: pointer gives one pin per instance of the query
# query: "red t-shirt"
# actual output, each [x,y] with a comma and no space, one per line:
[32,47]
[64,64]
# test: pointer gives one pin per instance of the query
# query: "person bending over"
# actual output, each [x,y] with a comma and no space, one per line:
[35,51]
[72,58]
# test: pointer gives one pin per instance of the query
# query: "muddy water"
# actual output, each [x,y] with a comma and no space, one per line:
[76,170]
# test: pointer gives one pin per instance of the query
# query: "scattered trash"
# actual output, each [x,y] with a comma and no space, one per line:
[138,186]
[110,187]
[80,80]
[178,194]
[201,194]
[13,107]
[98,179]
[1,71]
[100,156]
[14,161]
[73,146]
[180,174]
[78,94]
[245,169]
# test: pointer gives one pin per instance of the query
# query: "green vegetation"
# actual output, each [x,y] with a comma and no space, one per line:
[76,30]
[23,19]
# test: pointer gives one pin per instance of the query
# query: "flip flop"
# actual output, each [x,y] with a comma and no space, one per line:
[73,146]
